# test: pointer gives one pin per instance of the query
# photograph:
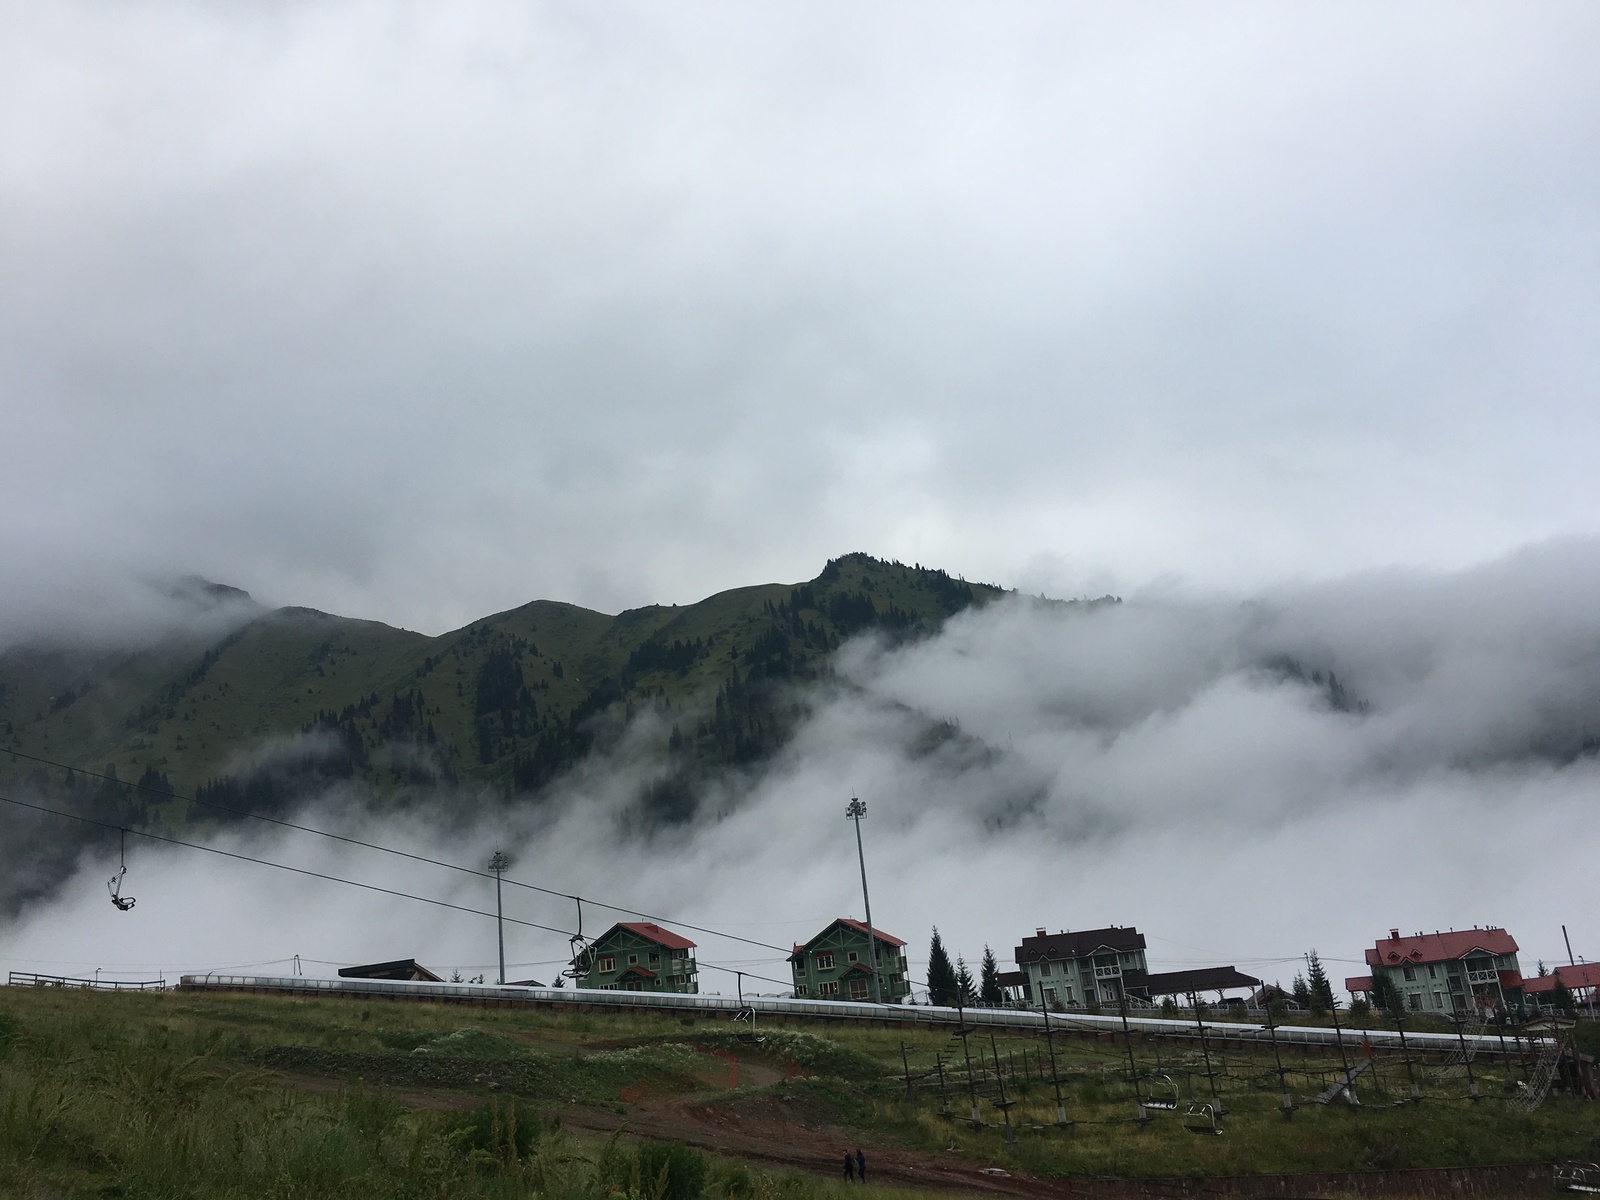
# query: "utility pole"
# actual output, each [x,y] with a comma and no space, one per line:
[499,864]
[854,811]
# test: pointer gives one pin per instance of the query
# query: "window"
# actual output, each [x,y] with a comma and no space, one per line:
[1049,995]
[800,989]
[1438,1000]
[1415,1000]
[852,956]
[1432,974]
[831,988]
[1066,995]
[824,960]
[1409,972]
[1107,992]
[633,960]
[655,957]
[1044,970]
[858,989]
[608,962]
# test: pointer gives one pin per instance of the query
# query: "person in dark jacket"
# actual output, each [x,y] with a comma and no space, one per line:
[861,1165]
[849,1166]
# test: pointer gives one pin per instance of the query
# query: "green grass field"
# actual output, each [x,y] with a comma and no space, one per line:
[191,1095]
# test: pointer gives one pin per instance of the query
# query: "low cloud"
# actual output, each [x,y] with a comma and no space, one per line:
[1244,779]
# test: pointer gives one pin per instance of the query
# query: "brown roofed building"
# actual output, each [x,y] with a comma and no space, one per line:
[406,969]
[1072,969]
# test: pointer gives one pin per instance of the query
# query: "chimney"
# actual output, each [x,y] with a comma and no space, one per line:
[1394,935]
[1038,931]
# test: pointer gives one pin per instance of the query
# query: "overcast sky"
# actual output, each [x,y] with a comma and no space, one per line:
[421,311]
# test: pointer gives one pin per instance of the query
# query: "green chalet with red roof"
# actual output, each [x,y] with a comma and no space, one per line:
[836,964]
[1462,971]
[638,956]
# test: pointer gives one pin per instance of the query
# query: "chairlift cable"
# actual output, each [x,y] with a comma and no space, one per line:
[365,845]
[371,887]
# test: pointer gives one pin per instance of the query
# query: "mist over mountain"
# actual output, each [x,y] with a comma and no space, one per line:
[1244,778]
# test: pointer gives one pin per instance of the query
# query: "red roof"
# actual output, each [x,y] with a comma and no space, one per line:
[1358,983]
[636,969]
[1584,975]
[650,931]
[852,923]
[861,927]
[1440,947]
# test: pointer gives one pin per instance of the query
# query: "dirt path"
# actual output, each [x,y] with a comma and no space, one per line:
[804,1145]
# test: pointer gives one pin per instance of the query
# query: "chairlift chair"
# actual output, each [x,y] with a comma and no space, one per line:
[1578,1177]
[1202,1118]
[114,884]
[1162,1093]
[580,948]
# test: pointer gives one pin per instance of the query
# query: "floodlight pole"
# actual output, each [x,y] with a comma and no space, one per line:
[854,811]
[498,864]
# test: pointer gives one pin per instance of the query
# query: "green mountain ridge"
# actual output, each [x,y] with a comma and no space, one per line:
[293,698]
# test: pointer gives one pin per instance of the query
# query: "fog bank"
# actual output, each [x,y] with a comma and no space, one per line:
[1244,779]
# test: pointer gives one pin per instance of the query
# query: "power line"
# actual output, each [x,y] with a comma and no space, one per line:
[365,845]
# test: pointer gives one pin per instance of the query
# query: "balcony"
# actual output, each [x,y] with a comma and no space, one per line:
[1111,972]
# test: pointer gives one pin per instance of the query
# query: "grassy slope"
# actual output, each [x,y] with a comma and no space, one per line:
[192,709]
[264,1095]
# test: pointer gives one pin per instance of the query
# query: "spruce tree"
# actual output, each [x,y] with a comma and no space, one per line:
[964,984]
[1302,991]
[989,981]
[942,987]
[1386,997]
[1317,983]
[1561,998]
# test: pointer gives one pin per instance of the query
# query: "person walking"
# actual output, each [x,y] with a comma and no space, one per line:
[861,1165]
[849,1166]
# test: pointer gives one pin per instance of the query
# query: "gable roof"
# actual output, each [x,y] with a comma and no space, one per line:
[652,932]
[1181,983]
[849,923]
[400,968]
[1120,938]
[1395,951]
[1584,975]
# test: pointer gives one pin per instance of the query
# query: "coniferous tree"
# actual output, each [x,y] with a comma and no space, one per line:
[964,984]
[1561,998]
[942,986]
[1302,991]
[989,981]
[1317,984]
[1386,997]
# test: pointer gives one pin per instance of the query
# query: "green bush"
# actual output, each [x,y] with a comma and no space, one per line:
[670,1171]
[499,1133]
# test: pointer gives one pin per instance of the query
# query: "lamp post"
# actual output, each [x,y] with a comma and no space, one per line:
[854,811]
[498,864]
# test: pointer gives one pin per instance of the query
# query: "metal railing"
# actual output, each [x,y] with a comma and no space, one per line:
[30,979]
[848,1010]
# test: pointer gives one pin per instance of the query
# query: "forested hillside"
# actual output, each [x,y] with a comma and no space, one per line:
[291,699]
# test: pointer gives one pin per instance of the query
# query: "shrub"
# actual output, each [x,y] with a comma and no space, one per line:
[499,1133]
[670,1171]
